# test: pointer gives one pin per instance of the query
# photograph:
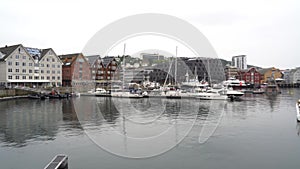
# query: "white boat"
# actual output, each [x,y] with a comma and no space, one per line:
[212,95]
[233,82]
[127,94]
[233,93]
[100,91]
[297,108]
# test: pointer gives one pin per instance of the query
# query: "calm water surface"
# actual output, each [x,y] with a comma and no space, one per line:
[258,132]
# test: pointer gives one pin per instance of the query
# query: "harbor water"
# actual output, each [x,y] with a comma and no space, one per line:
[259,131]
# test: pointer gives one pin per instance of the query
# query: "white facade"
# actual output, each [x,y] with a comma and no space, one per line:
[20,67]
[17,67]
[239,62]
[295,75]
[50,68]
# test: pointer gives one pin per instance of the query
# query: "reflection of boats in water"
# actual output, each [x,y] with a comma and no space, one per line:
[258,91]
[297,109]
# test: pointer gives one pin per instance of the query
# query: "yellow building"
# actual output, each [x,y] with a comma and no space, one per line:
[266,74]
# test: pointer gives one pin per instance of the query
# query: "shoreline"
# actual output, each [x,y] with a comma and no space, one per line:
[12,97]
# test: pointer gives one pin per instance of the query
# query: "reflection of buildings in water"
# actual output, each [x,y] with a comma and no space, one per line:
[172,107]
[108,110]
[29,120]
[141,104]
[298,128]
[272,99]
[69,114]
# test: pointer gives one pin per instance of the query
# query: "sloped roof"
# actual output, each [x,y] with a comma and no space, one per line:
[106,60]
[263,71]
[44,52]
[7,50]
[92,58]
[70,58]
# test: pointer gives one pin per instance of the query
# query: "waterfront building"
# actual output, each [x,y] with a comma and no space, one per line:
[287,76]
[239,62]
[231,72]
[97,68]
[266,74]
[21,67]
[47,65]
[208,69]
[250,76]
[110,65]
[151,59]
[295,76]
[76,71]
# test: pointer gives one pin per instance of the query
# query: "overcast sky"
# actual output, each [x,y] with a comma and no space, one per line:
[266,31]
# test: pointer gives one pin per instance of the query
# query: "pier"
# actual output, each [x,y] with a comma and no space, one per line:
[58,162]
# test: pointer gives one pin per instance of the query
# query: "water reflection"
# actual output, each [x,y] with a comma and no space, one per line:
[272,100]
[24,121]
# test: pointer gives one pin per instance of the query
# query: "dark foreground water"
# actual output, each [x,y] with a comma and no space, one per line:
[259,132]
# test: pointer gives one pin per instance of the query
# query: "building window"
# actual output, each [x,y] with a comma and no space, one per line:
[58,71]
[30,77]
[23,70]
[30,64]
[42,65]
[10,70]
[42,77]
[17,63]
[36,71]
[48,77]
[30,71]
[17,77]
[53,71]
[24,57]
[17,56]
[58,66]
[48,71]
[36,77]
[53,66]
[58,78]
[17,70]
[47,59]
[9,63]
[53,60]
[9,77]
[48,65]
[42,71]
[23,77]
[24,64]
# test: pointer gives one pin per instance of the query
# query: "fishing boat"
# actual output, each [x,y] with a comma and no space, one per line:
[297,108]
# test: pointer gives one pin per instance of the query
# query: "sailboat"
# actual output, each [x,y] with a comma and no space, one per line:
[171,92]
[122,93]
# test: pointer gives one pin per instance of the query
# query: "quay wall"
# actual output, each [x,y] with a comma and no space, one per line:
[13,92]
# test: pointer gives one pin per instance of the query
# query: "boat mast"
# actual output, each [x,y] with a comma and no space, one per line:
[168,73]
[124,66]
[175,73]
[209,75]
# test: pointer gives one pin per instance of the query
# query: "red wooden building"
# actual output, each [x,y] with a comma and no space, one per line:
[76,70]
[250,76]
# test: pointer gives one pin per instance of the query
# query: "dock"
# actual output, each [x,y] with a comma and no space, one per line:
[58,162]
